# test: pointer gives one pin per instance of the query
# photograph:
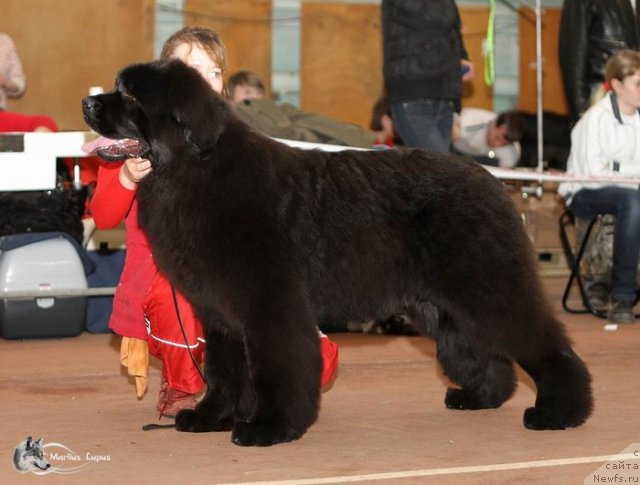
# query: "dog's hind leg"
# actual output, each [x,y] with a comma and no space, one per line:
[563,401]
[485,380]
[530,335]
[228,392]
[563,382]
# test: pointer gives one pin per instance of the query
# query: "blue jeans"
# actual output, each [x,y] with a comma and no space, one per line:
[424,123]
[624,204]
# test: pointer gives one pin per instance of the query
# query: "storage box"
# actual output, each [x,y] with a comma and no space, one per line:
[109,265]
[47,262]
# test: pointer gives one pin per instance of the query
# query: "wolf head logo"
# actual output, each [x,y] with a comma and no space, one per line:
[29,456]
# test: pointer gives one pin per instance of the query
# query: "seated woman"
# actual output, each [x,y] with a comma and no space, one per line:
[18,122]
[606,142]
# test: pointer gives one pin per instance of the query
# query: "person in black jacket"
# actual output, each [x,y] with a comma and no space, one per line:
[425,63]
[591,31]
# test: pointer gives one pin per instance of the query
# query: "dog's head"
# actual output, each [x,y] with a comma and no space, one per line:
[153,111]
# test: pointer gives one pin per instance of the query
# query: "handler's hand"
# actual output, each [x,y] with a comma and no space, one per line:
[133,171]
[470,70]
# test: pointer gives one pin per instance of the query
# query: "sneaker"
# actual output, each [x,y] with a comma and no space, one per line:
[620,312]
[171,401]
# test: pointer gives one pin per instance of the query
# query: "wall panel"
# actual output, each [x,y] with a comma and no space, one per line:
[68,46]
[341,68]
[341,73]
[245,28]
[476,93]
[552,87]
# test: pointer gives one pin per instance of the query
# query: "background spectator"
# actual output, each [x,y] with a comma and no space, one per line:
[605,143]
[12,78]
[488,137]
[283,120]
[10,121]
[244,85]
[556,133]
[590,32]
[382,123]
[425,63]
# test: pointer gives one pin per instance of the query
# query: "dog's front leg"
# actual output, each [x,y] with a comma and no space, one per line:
[285,366]
[228,390]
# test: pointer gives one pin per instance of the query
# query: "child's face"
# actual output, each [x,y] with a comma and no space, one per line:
[628,92]
[199,59]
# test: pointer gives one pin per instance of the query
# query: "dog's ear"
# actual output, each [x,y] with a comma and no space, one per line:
[200,112]
[39,442]
[201,120]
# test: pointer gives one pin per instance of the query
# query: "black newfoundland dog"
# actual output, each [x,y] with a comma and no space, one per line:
[268,241]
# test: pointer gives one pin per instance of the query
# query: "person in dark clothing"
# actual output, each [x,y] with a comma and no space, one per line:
[591,31]
[425,63]
[556,136]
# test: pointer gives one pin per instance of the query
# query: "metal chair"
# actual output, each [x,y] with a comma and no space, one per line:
[574,259]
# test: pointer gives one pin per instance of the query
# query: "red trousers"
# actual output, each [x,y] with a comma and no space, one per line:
[166,340]
[168,343]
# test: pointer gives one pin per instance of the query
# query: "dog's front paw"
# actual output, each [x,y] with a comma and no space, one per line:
[461,399]
[261,434]
[192,421]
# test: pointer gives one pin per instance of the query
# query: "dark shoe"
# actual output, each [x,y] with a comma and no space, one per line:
[620,312]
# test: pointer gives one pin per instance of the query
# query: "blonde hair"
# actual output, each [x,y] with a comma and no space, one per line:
[622,64]
[206,39]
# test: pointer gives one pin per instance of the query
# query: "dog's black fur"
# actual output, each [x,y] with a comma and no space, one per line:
[268,241]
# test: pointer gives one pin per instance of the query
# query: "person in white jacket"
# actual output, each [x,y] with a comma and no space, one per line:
[605,143]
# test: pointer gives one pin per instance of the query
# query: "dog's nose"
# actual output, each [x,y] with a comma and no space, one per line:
[90,105]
